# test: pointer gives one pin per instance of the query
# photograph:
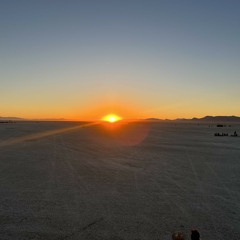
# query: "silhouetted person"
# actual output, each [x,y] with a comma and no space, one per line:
[195,235]
[177,236]
[234,134]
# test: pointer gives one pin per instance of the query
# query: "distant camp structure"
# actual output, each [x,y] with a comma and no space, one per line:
[221,134]
[7,121]
[221,125]
[225,134]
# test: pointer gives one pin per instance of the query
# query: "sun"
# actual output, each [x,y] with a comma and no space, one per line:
[111,118]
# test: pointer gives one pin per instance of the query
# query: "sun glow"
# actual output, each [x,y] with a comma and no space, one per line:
[111,118]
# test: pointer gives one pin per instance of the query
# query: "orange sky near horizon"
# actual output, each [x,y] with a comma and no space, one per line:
[126,110]
[83,60]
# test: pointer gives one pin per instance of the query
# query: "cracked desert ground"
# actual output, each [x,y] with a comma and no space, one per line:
[135,181]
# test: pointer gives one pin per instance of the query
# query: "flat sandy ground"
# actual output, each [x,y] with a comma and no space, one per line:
[134,181]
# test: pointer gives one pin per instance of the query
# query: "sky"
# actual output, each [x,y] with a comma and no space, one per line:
[82,60]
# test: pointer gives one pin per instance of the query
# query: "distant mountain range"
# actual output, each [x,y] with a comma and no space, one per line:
[214,119]
[11,118]
[204,119]
[24,119]
[154,119]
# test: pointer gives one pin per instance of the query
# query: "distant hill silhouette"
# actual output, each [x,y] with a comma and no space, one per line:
[49,119]
[204,119]
[11,118]
[24,119]
[218,119]
[153,119]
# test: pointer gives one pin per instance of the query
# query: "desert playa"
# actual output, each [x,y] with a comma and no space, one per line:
[119,120]
[131,181]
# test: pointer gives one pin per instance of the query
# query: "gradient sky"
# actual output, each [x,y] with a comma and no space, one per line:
[151,58]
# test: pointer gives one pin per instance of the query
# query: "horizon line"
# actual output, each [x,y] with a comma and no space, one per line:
[123,120]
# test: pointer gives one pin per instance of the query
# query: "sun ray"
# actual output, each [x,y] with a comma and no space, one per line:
[40,135]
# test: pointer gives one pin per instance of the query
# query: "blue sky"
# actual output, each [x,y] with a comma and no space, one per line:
[162,59]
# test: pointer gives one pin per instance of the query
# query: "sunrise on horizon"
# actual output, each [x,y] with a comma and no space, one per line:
[119,120]
[82,60]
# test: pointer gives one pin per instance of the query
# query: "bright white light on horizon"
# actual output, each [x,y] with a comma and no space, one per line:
[111,118]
